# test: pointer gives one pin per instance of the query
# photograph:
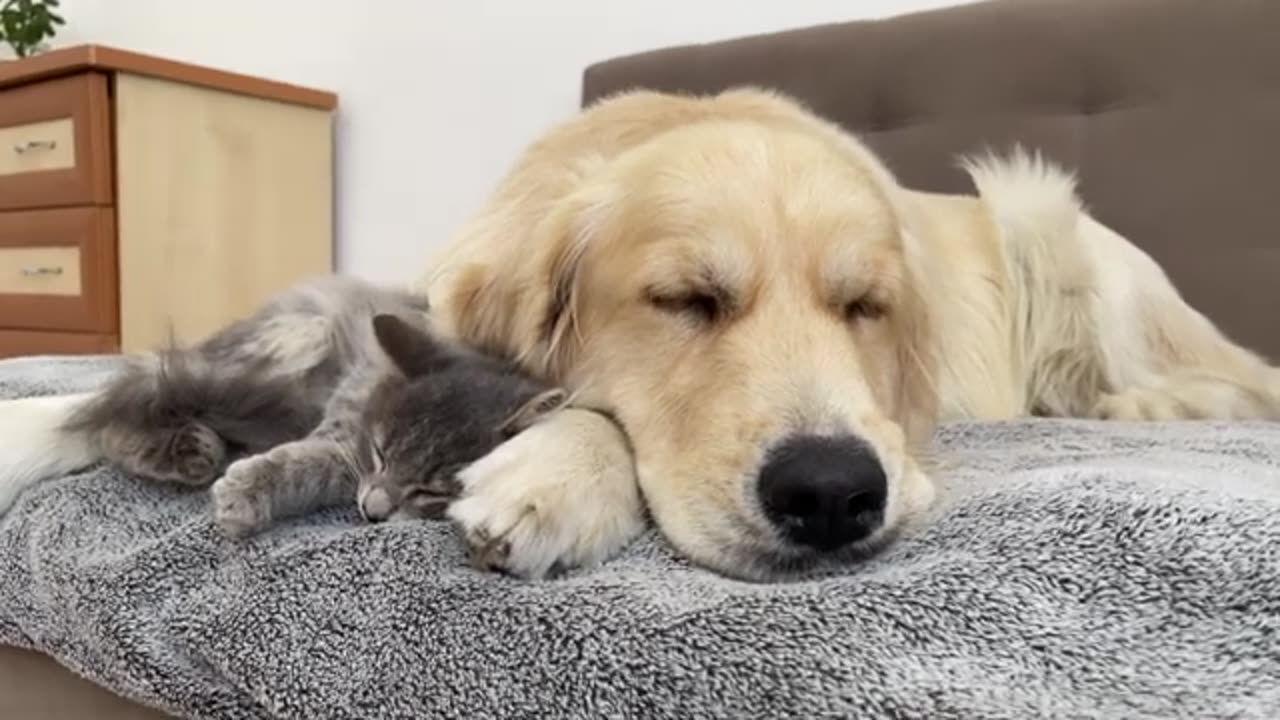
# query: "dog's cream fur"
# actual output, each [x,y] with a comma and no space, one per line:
[721,272]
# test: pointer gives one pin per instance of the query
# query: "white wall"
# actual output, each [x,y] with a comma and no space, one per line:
[436,96]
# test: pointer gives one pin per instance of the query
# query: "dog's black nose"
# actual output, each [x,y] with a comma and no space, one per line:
[824,492]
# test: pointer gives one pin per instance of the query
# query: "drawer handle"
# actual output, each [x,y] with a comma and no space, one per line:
[38,271]
[31,145]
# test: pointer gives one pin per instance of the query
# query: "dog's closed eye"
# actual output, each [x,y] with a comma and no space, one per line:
[705,302]
[864,308]
[701,305]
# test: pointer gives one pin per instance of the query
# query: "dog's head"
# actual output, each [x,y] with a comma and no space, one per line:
[749,305]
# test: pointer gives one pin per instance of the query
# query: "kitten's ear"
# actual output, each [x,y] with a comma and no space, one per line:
[536,407]
[412,350]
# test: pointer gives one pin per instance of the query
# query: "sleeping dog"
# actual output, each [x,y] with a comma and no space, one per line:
[778,325]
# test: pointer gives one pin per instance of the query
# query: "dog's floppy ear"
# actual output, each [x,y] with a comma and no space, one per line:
[535,408]
[412,350]
[558,330]
[522,304]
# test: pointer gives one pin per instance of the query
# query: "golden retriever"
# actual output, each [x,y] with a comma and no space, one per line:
[777,326]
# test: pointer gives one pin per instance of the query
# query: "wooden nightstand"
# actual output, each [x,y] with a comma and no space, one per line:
[143,199]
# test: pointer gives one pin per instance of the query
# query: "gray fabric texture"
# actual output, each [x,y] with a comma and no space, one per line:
[1075,570]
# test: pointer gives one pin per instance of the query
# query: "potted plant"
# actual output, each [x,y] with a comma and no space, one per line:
[25,25]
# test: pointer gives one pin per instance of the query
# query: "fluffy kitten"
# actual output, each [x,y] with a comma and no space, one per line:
[334,390]
[442,411]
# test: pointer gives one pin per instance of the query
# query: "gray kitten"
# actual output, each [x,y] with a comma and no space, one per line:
[334,391]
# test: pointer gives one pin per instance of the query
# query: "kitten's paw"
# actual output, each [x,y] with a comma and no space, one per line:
[198,455]
[560,495]
[192,455]
[242,498]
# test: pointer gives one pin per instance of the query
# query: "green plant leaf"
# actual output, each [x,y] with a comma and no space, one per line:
[26,24]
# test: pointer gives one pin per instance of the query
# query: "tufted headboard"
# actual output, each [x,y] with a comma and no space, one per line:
[1168,110]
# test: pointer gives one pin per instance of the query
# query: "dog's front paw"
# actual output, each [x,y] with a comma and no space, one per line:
[242,497]
[558,496]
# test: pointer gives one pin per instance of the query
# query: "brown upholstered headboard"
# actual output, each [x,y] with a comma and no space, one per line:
[1169,110]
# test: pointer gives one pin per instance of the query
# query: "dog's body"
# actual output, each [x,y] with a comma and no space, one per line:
[778,326]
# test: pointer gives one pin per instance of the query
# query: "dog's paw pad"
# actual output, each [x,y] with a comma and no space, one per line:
[557,497]
[504,539]
[493,555]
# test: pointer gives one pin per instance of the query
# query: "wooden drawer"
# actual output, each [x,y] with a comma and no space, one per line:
[55,143]
[58,270]
[144,200]
[17,343]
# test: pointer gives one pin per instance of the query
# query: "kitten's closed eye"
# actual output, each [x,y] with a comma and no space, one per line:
[426,502]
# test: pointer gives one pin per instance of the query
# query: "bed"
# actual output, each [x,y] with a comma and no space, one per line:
[1074,569]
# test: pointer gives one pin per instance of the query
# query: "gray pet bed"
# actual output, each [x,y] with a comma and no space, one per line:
[1076,570]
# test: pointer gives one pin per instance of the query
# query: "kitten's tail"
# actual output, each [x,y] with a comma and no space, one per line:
[155,397]
[34,446]
[250,407]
